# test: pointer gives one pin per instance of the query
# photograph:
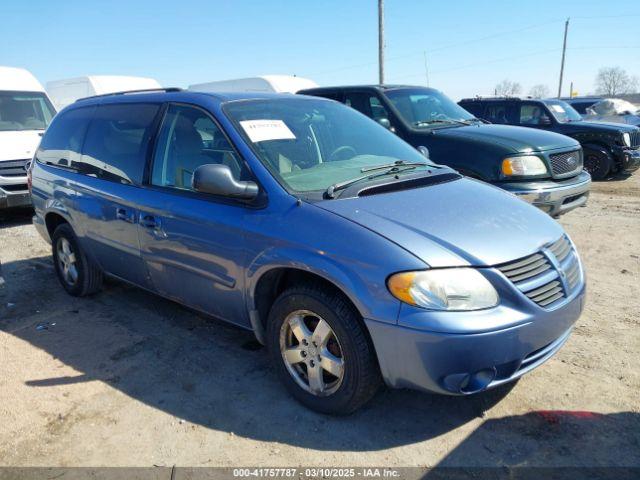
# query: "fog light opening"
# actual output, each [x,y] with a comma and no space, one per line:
[478,381]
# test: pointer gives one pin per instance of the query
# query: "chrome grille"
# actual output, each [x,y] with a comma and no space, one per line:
[635,139]
[566,164]
[13,168]
[549,276]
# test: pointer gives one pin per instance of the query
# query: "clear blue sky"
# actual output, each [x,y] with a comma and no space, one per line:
[470,45]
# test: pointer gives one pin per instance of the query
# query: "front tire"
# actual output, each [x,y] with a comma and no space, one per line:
[321,351]
[597,161]
[77,274]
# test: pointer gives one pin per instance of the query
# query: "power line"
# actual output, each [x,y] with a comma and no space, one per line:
[442,47]
[485,62]
[474,41]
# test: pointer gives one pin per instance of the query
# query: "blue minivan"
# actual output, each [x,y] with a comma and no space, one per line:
[354,258]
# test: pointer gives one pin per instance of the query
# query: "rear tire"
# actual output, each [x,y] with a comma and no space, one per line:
[597,161]
[77,274]
[346,371]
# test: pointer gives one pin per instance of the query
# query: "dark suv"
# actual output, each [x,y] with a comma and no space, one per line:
[542,168]
[608,147]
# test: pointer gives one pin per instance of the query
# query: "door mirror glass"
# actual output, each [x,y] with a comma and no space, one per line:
[424,151]
[385,123]
[217,179]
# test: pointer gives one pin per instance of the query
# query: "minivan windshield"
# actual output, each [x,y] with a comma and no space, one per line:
[422,107]
[24,111]
[311,144]
[562,111]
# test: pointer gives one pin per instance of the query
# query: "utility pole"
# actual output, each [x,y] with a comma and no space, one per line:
[564,49]
[381,42]
[571,90]
[426,67]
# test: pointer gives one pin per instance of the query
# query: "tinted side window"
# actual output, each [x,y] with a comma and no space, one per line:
[188,139]
[378,111]
[117,142]
[496,113]
[473,107]
[359,101]
[330,95]
[530,114]
[62,143]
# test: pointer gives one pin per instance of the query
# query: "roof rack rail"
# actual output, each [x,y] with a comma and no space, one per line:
[126,92]
[496,97]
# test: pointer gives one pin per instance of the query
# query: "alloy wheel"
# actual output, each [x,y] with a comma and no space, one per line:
[67,261]
[312,353]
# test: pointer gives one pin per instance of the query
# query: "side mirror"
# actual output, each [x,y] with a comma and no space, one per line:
[424,151]
[385,123]
[217,179]
[544,120]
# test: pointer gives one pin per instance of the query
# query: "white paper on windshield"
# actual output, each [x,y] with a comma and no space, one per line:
[262,130]
[557,108]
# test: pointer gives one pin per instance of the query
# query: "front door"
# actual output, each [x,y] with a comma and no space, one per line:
[193,244]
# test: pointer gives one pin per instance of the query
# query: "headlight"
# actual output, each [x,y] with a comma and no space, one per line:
[626,139]
[444,289]
[528,165]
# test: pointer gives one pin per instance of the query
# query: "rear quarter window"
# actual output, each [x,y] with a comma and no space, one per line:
[62,142]
[117,142]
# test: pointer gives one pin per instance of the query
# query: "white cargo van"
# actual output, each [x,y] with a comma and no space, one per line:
[66,91]
[25,113]
[265,83]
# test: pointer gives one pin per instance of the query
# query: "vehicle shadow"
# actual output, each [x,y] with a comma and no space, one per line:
[616,177]
[548,444]
[201,370]
[13,217]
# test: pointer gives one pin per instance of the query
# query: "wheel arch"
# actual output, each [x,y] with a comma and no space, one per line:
[268,283]
[53,220]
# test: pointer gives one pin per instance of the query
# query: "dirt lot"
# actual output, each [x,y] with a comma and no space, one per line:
[127,378]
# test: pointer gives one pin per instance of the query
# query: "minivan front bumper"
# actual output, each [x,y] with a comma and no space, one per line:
[553,197]
[465,363]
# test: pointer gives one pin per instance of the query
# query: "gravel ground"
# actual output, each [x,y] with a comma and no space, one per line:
[126,378]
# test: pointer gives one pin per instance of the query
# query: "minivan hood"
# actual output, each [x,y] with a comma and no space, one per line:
[514,139]
[458,223]
[19,145]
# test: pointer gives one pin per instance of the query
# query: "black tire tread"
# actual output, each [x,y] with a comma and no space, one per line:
[368,371]
[91,275]
[607,158]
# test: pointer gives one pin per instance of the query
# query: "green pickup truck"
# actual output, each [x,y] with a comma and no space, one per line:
[543,168]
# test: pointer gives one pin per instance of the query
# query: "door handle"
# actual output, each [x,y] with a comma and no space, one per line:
[123,214]
[148,221]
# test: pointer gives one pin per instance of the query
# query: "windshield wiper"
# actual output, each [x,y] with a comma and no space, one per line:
[397,163]
[449,121]
[330,192]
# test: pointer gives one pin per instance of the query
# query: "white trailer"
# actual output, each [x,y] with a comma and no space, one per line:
[66,91]
[265,83]
[25,113]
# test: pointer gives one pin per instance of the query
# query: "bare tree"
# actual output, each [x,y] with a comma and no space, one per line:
[507,88]
[539,91]
[612,81]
